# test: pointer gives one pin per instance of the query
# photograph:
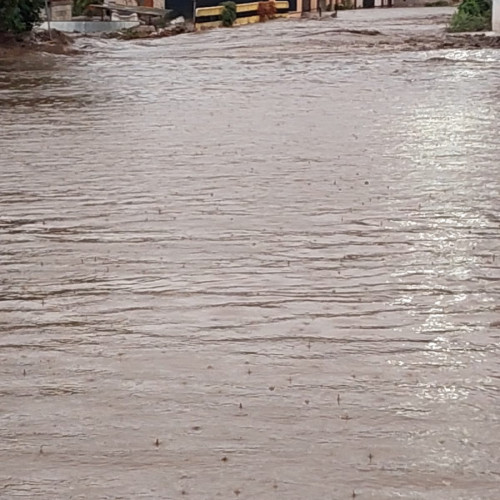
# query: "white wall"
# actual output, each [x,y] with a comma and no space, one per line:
[89,26]
[496,16]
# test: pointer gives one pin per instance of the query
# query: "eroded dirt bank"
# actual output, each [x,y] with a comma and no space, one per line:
[18,46]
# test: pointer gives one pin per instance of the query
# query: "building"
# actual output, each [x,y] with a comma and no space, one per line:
[60,10]
[155,4]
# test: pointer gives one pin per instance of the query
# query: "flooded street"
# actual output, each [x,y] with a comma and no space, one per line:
[253,263]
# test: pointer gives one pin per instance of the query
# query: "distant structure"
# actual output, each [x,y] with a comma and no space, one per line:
[60,10]
[496,16]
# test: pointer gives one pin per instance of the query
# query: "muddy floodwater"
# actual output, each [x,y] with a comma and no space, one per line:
[252,264]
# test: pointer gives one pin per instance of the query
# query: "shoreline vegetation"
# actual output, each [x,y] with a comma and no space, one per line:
[472,16]
[462,30]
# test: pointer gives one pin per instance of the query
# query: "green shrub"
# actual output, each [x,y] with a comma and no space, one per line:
[472,15]
[228,15]
[17,16]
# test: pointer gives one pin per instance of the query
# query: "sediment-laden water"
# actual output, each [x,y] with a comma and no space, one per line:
[252,264]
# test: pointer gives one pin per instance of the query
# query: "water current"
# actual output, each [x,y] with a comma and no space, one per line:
[247,264]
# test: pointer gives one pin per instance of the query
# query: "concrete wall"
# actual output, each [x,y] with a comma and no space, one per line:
[210,17]
[410,3]
[90,26]
[496,16]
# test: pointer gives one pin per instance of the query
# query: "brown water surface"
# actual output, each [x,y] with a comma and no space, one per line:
[276,257]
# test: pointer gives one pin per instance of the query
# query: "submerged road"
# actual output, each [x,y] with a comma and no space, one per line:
[258,263]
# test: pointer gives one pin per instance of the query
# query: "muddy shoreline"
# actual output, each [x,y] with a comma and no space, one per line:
[344,38]
[31,43]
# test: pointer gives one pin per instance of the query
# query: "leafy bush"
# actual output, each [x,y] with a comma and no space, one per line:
[228,15]
[17,16]
[472,15]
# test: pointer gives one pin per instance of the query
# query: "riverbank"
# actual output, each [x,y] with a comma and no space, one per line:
[36,41]
[378,30]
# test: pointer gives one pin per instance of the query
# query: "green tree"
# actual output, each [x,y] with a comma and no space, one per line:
[17,16]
